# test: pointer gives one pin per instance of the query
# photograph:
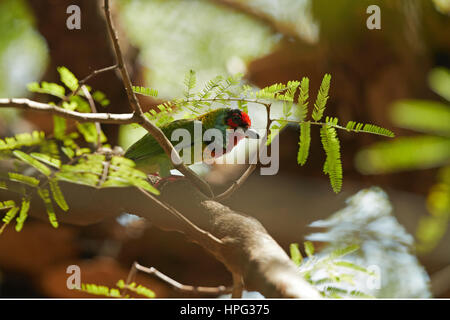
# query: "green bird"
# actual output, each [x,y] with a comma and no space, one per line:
[232,124]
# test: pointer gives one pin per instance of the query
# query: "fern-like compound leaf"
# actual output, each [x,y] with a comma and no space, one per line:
[322,97]
[303,99]
[150,92]
[23,214]
[333,165]
[27,180]
[22,140]
[304,143]
[32,162]
[58,195]
[45,196]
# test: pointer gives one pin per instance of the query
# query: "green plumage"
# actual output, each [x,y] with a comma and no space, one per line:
[150,157]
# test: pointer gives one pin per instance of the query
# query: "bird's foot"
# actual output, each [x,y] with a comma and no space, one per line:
[158,182]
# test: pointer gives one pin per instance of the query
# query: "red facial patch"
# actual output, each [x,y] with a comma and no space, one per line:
[231,123]
[246,119]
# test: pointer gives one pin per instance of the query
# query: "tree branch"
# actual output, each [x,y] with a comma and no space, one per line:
[83,81]
[22,103]
[247,249]
[276,25]
[236,184]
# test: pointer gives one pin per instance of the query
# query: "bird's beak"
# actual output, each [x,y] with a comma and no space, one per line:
[251,134]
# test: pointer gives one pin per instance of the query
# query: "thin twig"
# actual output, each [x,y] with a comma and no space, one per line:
[98,129]
[95,73]
[190,228]
[83,81]
[248,172]
[23,103]
[130,277]
[182,287]
[236,184]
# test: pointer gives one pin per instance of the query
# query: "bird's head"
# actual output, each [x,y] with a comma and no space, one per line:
[236,119]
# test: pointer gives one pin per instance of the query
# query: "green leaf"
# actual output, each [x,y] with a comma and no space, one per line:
[350,265]
[275,130]
[68,152]
[190,81]
[81,104]
[339,253]
[58,195]
[68,78]
[59,127]
[100,97]
[439,81]
[303,99]
[304,143]
[118,161]
[123,181]
[296,256]
[23,214]
[45,196]
[333,165]
[368,128]
[17,177]
[22,140]
[100,290]
[322,97]
[87,179]
[422,115]
[8,217]
[7,204]
[270,92]
[53,89]
[32,162]
[51,161]
[150,92]
[404,153]
[89,132]
[309,248]
[71,105]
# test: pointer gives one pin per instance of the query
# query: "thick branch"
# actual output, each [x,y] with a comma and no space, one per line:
[247,249]
[277,25]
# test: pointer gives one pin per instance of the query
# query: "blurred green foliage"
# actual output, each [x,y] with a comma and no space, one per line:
[23,52]
[420,152]
[176,36]
[443,6]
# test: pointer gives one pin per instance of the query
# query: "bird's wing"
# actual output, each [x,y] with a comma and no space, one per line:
[148,147]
